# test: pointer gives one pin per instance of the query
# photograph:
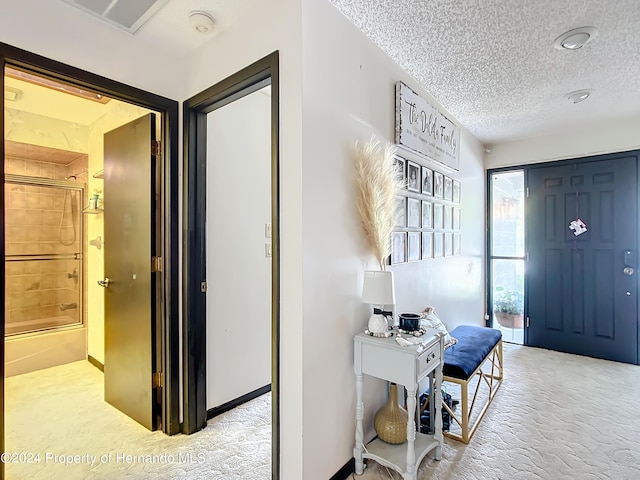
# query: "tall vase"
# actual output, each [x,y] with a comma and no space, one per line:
[390,422]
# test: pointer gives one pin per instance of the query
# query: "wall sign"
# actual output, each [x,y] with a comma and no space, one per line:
[423,129]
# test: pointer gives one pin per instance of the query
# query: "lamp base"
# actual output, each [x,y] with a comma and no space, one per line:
[377,324]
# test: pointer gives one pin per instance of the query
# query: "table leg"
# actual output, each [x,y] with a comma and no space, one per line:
[357,451]
[411,433]
[437,434]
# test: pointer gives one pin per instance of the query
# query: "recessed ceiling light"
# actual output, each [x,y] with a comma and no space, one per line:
[202,22]
[576,38]
[579,95]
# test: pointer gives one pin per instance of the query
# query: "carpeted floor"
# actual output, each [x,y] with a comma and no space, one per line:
[59,413]
[556,416]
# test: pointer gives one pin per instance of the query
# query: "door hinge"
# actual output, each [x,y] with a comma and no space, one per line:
[526,190]
[203,287]
[157,264]
[526,257]
[527,322]
[158,380]
[156,148]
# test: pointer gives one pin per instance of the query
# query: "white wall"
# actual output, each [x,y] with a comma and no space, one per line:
[348,94]
[605,137]
[238,206]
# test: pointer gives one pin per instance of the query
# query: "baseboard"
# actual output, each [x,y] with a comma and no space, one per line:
[225,407]
[95,363]
[346,470]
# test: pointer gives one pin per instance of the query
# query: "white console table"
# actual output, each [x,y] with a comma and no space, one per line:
[408,366]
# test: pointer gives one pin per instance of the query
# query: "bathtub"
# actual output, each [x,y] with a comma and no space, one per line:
[35,351]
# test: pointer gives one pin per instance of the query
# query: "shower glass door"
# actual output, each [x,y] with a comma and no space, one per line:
[43,259]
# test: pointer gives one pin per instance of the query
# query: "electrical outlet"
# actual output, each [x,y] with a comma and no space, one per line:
[267,250]
[267,230]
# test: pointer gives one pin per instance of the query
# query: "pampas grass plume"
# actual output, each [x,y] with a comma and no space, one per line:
[377,185]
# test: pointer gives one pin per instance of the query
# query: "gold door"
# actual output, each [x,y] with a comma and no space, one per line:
[129,299]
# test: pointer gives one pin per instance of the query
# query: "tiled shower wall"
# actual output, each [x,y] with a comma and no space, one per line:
[36,289]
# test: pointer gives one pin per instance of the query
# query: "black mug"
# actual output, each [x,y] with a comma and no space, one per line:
[409,322]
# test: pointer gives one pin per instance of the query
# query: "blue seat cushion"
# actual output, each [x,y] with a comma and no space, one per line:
[474,344]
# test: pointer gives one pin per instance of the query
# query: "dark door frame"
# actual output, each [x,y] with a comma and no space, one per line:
[195,159]
[167,319]
[527,168]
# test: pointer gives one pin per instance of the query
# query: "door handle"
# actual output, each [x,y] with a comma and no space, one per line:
[104,283]
[628,271]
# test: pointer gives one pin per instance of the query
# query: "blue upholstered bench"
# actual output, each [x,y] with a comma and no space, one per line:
[478,353]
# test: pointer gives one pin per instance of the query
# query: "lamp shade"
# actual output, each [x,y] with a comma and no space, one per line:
[378,288]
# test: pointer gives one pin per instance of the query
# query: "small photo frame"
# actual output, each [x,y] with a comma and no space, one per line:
[438,245]
[427,245]
[427,214]
[448,217]
[457,247]
[448,244]
[413,177]
[456,191]
[401,211]
[456,218]
[398,247]
[413,213]
[438,185]
[427,181]
[437,215]
[399,165]
[414,241]
[448,189]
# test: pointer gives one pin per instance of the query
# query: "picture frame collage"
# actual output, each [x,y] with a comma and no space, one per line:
[428,214]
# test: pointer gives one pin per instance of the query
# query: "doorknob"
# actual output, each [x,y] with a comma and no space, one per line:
[104,283]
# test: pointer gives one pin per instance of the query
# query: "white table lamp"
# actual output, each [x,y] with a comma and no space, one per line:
[378,290]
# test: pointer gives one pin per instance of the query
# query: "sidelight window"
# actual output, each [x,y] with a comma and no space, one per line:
[506,254]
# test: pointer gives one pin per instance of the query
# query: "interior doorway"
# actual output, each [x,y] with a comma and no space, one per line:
[62,114]
[208,324]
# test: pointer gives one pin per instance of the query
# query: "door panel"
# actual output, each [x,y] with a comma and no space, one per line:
[579,298]
[128,227]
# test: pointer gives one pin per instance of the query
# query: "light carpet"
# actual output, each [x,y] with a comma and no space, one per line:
[59,413]
[556,416]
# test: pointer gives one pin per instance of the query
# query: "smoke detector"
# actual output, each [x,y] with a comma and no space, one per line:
[201,22]
[129,15]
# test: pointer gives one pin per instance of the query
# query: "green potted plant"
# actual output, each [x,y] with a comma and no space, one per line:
[508,308]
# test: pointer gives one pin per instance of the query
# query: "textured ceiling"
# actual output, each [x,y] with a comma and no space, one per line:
[492,64]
